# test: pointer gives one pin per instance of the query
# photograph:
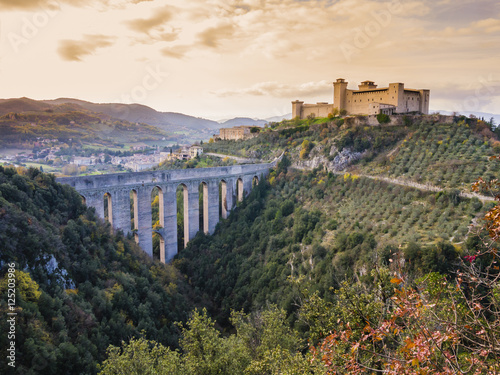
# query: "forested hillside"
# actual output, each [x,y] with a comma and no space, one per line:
[79,287]
[323,268]
[299,291]
[70,122]
[325,229]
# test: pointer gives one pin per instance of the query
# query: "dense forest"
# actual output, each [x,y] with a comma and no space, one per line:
[323,268]
[80,288]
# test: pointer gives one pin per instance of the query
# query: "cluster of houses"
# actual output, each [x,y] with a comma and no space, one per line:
[136,163]
[140,162]
[42,156]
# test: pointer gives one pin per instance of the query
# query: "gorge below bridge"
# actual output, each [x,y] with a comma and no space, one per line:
[222,186]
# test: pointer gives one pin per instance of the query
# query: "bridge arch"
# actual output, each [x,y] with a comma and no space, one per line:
[108,207]
[157,222]
[240,190]
[134,209]
[157,191]
[159,248]
[255,181]
[204,214]
[224,209]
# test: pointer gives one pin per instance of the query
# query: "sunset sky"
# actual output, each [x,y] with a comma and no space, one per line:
[219,59]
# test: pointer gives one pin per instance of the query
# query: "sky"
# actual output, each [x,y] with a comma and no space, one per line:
[221,59]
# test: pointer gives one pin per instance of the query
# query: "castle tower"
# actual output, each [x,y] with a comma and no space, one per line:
[424,101]
[297,109]
[396,96]
[339,94]
[367,85]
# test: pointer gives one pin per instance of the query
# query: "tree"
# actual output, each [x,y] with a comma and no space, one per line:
[141,356]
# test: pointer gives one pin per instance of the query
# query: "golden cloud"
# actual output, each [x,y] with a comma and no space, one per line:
[145,25]
[212,36]
[75,50]
[55,4]
[280,90]
[176,52]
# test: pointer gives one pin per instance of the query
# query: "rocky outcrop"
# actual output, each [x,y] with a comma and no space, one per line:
[337,161]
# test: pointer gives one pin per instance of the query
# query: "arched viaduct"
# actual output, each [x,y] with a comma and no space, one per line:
[236,181]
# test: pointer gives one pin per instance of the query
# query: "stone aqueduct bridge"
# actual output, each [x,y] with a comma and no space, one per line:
[236,181]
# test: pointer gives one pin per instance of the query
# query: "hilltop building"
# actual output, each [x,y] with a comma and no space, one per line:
[367,100]
[235,133]
[195,151]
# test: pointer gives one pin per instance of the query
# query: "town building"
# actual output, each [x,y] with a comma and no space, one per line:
[195,151]
[235,133]
[367,100]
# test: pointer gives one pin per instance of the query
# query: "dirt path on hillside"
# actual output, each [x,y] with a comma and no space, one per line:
[427,187]
[413,184]
[395,181]
[237,158]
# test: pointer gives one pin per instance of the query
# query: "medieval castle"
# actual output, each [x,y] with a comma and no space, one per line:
[367,100]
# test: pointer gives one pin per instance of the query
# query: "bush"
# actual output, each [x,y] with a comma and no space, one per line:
[382,118]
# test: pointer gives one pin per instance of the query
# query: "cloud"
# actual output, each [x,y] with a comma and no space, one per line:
[212,36]
[34,4]
[75,50]
[280,90]
[481,27]
[146,25]
[55,4]
[176,52]
[153,27]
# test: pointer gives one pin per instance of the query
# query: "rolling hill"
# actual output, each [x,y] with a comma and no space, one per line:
[23,121]
[167,121]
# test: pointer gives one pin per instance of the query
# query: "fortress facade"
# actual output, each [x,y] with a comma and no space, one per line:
[234,133]
[367,100]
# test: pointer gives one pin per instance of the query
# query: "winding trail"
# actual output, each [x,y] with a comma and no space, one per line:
[426,187]
[395,181]
[413,184]
[237,158]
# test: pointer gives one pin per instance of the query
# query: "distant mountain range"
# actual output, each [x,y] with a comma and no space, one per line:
[167,121]
[237,121]
[185,126]
[487,116]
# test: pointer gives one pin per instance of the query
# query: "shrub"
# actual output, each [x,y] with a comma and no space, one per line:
[382,118]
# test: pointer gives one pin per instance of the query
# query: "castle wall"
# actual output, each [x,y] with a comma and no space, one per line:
[319,110]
